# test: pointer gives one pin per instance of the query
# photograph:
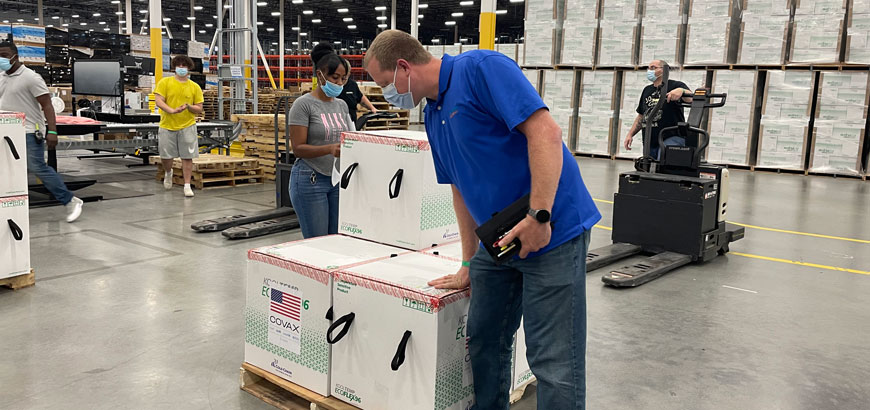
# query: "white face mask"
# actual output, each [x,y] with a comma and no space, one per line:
[404,101]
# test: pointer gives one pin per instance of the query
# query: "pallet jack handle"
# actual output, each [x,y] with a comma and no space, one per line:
[283,102]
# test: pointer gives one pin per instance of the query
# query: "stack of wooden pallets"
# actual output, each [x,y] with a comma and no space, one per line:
[215,171]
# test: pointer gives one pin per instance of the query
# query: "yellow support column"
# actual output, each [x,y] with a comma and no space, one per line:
[155,14]
[487,24]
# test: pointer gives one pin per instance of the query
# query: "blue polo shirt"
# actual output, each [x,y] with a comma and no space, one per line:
[483,96]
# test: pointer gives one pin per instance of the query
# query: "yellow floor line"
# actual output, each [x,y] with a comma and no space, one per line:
[790,262]
[812,265]
[762,228]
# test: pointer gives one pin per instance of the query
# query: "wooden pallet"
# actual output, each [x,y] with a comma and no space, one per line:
[214,162]
[216,178]
[283,394]
[20,281]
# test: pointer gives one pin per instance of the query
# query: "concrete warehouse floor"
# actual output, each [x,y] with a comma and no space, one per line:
[133,310]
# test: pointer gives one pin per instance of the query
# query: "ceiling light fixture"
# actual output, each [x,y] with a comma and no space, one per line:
[143,20]
[380,8]
[261,3]
[116,1]
[209,25]
[119,13]
[449,23]
[347,19]
[83,24]
[307,12]
[316,21]
[460,14]
[55,17]
[382,26]
[197,8]
[75,16]
[191,18]
[359,41]
[435,40]
[185,26]
[381,18]
[63,25]
[342,10]
[201,31]
[260,23]
[143,11]
[419,16]
[297,1]
[423,6]
[303,34]
[270,29]
[352,27]
[517,1]
[167,19]
[501,12]
[466,3]
[276,13]
[102,23]
[97,14]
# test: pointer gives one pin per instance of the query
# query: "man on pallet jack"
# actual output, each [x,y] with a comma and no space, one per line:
[670,114]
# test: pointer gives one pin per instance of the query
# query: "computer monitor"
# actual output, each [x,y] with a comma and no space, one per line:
[138,65]
[97,77]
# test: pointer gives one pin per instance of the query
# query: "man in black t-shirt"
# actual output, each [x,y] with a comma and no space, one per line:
[353,96]
[670,114]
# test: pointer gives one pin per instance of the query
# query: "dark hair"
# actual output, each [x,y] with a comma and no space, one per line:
[9,44]
[181,61]
[326,60]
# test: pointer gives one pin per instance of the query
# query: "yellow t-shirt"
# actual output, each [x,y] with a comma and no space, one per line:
[177,93]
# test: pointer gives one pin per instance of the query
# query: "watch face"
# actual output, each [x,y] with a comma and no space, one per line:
[543,216]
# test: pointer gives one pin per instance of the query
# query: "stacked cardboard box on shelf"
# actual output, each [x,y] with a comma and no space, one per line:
[763,32]
[534,77]
[579,33]
[661,31]
[468,47]
[841,117]
[785,116]
[558,94]
[709,32]
[617,38]
[818,28]
[731,125]
[453,49]
[509,50]
[540,33]
[437,51]
[858,40]
[31,43]
[596,109]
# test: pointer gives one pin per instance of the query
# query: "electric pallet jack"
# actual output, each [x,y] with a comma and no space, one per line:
[673,208]
[283,217]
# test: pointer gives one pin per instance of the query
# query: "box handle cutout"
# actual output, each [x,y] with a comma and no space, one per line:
[399,358]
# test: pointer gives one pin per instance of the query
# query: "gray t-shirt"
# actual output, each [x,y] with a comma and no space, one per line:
[325,121]
[18,93]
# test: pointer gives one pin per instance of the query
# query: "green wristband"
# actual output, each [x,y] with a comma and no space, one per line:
[52,132]
[466,264]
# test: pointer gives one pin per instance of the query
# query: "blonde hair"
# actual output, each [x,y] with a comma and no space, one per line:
[392,45]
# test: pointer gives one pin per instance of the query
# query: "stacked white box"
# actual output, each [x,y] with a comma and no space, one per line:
[140,43]
[578,32]
[404,345]
[14,213]
[437,51]
[633,83]
[31,54]
[841,117]
[390,176]
[468,47]
[28,34]
[540,33]
[195,49]
[596,112]
[785,119]
[558,94]
[509,50]
[818,28]
[453,49]
[619,25]
[708,31]
[661,31]
[763,32]
[521,373]
[858,40]
[533,76]
[731,125]
[289,293]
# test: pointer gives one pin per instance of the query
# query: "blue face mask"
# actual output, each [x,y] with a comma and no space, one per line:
[5,64]
[331,89]
[404,101]
[651,75]
[180,71]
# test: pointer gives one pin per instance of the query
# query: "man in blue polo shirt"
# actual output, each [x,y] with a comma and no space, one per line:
[494,141]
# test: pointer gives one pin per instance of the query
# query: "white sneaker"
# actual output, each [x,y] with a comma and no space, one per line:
[74,209]
[167,180]
[188,191]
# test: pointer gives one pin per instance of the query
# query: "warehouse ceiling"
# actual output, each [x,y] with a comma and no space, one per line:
[353,23]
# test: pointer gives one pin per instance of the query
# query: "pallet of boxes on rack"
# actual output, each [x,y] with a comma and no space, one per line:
[258,139]
[15,231]
[840,121]
[661,31]
[711,32]
[785,118]
[509,49]
[376,96]
[540,34]
[731,126]
[617,38]
[763,32]
[579,33]
[817,31]
[596,109]
[558,94]
[858,40]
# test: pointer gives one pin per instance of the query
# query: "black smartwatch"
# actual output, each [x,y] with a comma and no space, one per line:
[540,215]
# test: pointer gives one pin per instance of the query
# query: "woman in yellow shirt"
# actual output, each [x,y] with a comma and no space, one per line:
[179,100]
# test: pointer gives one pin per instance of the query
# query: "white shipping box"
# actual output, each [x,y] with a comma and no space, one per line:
[14,236]
[731,125]
[24,33]
[389,193]
[633,83]
[762,39]
[596,111]
[404,345]
[140,43]
[858,40]
[558,95]
[816,38]
[707,40]
[13,155]
[289,292]
[616,43]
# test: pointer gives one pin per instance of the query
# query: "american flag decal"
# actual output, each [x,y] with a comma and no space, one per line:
[285,304]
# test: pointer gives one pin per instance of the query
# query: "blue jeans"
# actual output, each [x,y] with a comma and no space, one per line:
[549,293]
[315,200]
[49,177]
[671,141]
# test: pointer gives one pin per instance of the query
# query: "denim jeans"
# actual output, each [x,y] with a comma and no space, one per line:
[549,293]
[315,200]
[49,177]
[671,141]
